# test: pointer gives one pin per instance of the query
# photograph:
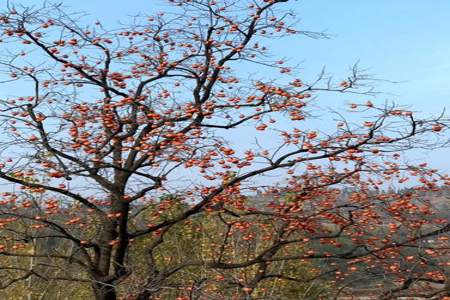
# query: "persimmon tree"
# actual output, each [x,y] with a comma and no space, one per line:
[105,131]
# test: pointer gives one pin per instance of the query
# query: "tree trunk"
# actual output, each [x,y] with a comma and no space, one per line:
[104,292]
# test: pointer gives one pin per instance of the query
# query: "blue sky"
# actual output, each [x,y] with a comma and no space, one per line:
[402,40]
[406,41]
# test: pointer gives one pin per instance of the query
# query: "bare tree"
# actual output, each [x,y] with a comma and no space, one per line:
[102,124]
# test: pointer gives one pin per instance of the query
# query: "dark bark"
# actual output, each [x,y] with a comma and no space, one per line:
[144,296]
[104,292]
